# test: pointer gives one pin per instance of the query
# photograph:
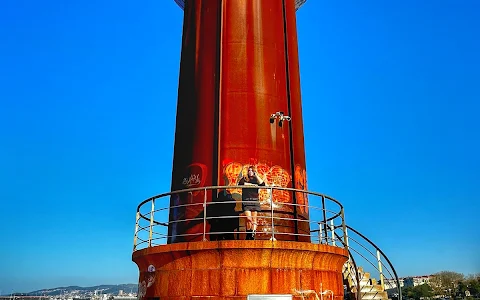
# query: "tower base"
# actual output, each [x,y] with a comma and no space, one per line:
[236,269]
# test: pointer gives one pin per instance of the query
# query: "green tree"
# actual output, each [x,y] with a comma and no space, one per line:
[446,282]
[417,292]
[462,287]
[473,285]
[407,292]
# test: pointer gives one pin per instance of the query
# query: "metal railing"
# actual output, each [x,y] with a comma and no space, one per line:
[319,219]
[363,252]
[315,221]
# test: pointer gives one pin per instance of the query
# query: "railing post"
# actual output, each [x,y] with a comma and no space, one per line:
[380,270]
[321,291]
[151,224]
[345,239]
[204,214]
[325,226]
[137,219]
[271,214]
[332,228]
[320,233]
[344,228]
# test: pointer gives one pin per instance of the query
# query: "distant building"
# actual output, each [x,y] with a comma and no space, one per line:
[416,280]
[125,297]
[392,283]
[410,281]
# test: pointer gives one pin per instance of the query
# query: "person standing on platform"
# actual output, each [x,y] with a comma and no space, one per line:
[250,201]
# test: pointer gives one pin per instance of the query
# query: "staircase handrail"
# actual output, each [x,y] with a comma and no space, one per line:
[382,253]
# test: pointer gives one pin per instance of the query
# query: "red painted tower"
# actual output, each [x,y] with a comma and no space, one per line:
[239,106]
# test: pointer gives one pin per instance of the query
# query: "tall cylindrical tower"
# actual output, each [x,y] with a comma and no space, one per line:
[239,105]
[239,108]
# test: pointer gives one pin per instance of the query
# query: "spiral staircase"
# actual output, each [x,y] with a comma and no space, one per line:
[360,284]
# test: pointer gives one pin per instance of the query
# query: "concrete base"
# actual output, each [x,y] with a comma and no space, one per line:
[235,269]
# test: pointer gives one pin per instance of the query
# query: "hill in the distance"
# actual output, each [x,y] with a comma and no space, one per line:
[101,289]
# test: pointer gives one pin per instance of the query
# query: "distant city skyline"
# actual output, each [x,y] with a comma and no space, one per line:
[69,291]
[129,288]
[88,97]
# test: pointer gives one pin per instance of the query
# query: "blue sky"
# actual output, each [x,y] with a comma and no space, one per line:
[88,92]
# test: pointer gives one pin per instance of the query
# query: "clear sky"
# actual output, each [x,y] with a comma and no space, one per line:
[88,94]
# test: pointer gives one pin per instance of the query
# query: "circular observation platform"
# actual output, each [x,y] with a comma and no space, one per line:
[315,218]
[298,3]
[299,249]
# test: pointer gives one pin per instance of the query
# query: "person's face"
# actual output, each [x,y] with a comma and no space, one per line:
[250,172]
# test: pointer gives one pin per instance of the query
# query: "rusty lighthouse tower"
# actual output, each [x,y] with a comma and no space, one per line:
[239,111]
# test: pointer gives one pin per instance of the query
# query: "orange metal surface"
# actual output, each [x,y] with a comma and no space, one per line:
[235,269]
[253,84]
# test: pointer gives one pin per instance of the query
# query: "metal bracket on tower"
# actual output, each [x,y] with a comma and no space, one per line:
[280,117]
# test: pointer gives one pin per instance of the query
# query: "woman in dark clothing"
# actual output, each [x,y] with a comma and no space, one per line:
[250,202]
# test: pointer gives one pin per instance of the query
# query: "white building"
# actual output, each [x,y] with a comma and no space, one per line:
[416,280]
